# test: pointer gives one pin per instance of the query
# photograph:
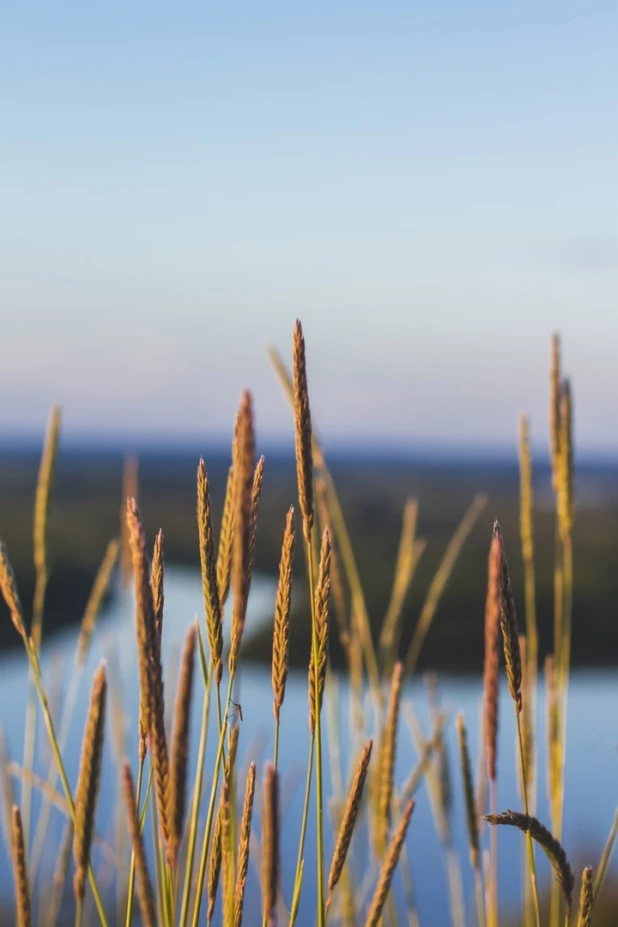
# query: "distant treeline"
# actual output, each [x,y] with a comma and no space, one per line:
[86,507]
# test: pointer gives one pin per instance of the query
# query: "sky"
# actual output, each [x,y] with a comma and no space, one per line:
[430,187]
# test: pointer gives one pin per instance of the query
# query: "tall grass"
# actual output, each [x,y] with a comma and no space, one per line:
[200,824]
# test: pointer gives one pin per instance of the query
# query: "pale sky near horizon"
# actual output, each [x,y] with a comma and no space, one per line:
[430,187]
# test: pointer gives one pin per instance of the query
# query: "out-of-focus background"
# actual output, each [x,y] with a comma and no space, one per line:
[430,188]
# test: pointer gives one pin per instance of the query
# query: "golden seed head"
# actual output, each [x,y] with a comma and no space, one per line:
[22,886]
[8,587]
[156,581]
[586,899]
[226,537]
[244,458]
[565,490]
[129,491]
[348,821]
[554,408]
[281,627]
[388,867]
[387,755]
[508,625]
[317,668]
[210,584]
[145,894]
[180,748]
[466,771]
[525,492]
[492,657]
[243,847]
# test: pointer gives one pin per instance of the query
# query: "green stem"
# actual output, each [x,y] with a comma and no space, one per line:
[478,888]
[535,891]
[301,844]
[211,808]
[197,792]
[131,889]
[79,912]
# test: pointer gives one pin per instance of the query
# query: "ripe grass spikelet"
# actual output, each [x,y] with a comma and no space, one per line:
[388,867]
[129,491]
[244,456]
[552,723]
[256,495]
[180,748]
[348,820]
[525,491]
[145,895]
[565,485]
[210,584]
[99,589]
[145,626]
[387,756]
[471,814]
[227,853]
[214,868]
[302,417]
[243,847]
[552,848]
[281,627]
[8,586]
[226,537]
[526,716]
[586,898]
[508,624]
[88,781]
[270,844]
[336,580]
[491,670]
[322,614]
[41,519]
[156,582]
[22,887]
[554,409]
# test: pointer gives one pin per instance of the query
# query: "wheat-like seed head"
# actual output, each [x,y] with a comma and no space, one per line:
[214,868]
[586,898]
[145,894]
[387,756]
[99,589]
[129,491]
[554,409]
[270,844]
[144,609]
[552,848]
[210,584]
[256,495]
[156,582]
[336,580]
[227,853]
[466,772]
[508,625]
[43,489]
[226,537]
[317,669]
[491,670]
[8,587]
[244,456]
[302,416]
[388,867]
[243,847]
[281,627]
[22,886]
[565,482]
[88,781]
[180,748]
[553,739]
[350,814]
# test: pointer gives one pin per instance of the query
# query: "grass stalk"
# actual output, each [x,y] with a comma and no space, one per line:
[131,889]
[531,863]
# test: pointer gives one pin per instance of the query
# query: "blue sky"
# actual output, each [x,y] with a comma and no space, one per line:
[430,187]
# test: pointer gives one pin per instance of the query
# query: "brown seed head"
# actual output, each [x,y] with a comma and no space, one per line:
[226,537]
[88,781]
[129,491]
[525,492]
[156,581]
[317,668]
[508,625]
[281,627]
[22,886]
[350,814]
[270,844]
[8,587]
[565,484]
[387,755]
[210,584]
[145,894]
[243,847]
[586,899]
[180,748]
[388,868]
[244,457]
[466,772]
[302,416]
[491,671]
[144,610]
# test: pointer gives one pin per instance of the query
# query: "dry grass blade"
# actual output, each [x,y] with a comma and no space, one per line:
[491,670]
[387,757]
[584,918]
[22,888]
[322,614]
[508,625]
[243,847]
[565,487]
[99,590]
[466,771]
[156,582]
[270,844]
[244,457]
[388,868]
[552,848]
[210,584]
[88,782]
[302,419]
[8,587]
[348,820]
[226,537]
[145,894]
[281,627]
[180,749]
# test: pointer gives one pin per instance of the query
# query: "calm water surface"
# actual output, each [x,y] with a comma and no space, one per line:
[592,760]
